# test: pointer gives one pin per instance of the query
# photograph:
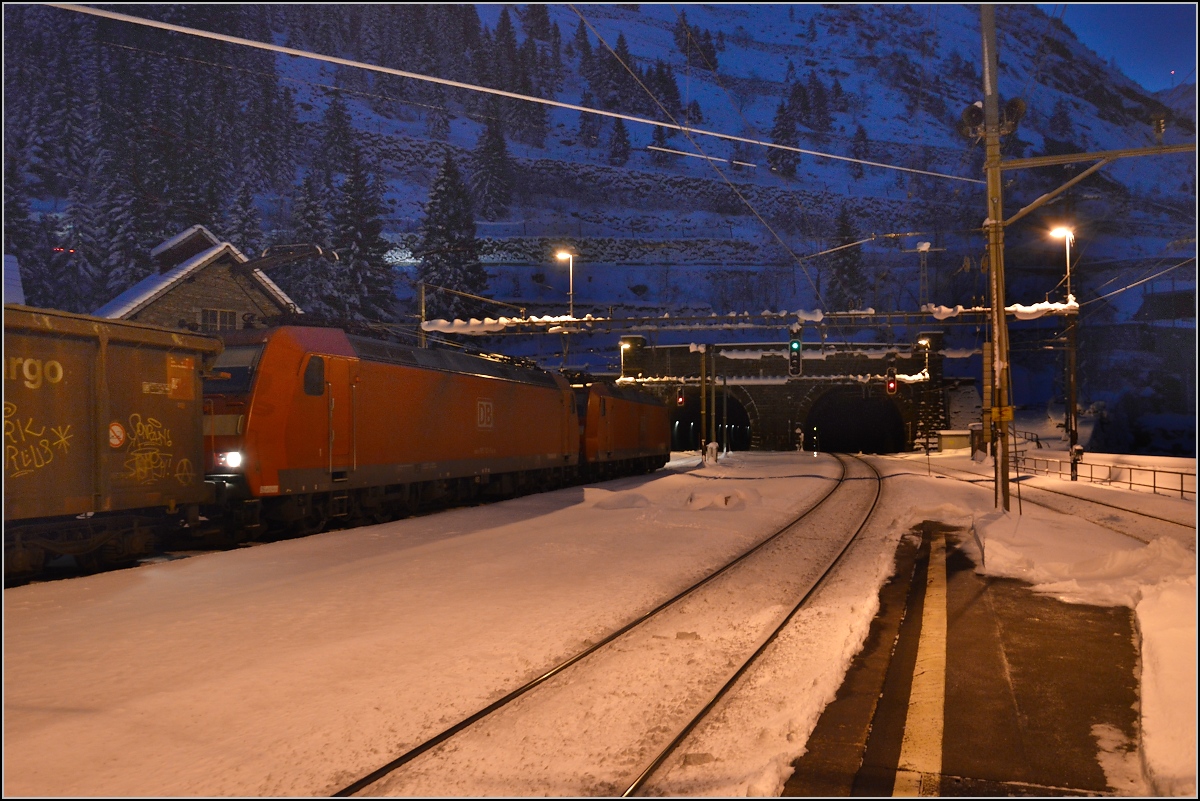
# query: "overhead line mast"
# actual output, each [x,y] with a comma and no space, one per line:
[994,226]
[995,124]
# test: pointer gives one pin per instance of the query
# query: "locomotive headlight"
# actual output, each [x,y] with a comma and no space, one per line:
[230,459]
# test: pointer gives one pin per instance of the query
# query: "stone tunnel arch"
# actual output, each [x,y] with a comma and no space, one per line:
[845,420]
[685,420]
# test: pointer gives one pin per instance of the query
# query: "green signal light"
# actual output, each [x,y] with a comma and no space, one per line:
[795,344]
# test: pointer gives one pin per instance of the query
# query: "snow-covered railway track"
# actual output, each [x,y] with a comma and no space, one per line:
[640,690]
[1121,519]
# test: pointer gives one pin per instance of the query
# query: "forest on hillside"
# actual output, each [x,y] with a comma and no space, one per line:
[101,166]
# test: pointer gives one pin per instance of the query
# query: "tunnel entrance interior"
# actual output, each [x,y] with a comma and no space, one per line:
[843,420]
[685,422]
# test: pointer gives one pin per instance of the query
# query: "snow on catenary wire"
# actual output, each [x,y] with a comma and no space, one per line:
[556,324]
[1020,311]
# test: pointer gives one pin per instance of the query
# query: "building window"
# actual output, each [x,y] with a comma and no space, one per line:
[217,320]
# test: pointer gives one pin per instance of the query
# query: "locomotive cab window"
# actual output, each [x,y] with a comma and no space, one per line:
[314,376]
[239,362]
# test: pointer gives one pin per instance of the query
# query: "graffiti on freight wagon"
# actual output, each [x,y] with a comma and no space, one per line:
[30,445]
[147,459]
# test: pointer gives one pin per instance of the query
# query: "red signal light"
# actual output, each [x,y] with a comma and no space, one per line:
[679,397]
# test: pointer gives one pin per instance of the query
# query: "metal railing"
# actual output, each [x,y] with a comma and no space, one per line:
[1156,480]
[1028,436]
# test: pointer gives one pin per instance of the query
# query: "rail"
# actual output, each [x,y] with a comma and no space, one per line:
[1156,480]
[416,751]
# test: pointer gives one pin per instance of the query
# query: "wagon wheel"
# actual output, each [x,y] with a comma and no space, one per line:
[362,514]
[381,514]
[22,563]
[312,523]
[103,559]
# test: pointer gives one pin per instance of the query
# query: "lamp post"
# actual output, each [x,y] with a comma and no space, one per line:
[1070,423]
[1067,236]
[568,257]
[924,343]
[624,347]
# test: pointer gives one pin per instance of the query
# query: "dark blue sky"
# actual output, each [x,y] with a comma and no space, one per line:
[1146,40]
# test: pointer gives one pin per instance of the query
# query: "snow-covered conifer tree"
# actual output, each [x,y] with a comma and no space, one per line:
[244,223]
[537,21]
[133,231]
[337,139]
[626,92]
[1059,124]
[818,98]
[557,67]
[448,250]
[363,287]
[860,148]
[491,170]
[659,139]
[84,240]
[309,282]
[662,83]
[41,265]
[799,108]
[437,121]
[783,132]
[583,47]
[845,290]
[618,144]
[18,219]
[504,53]
[589,123]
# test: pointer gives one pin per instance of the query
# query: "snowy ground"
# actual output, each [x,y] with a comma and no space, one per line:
[292,668]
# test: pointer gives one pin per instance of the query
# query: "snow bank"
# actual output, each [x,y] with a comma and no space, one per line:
[1169,685]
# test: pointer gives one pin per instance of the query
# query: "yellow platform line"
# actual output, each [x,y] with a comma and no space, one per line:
[920,766]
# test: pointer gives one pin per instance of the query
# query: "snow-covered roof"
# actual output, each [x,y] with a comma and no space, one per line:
[155,285]
[152,287]
[14,290]
[183,236]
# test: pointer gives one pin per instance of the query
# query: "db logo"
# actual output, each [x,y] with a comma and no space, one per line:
[483,413]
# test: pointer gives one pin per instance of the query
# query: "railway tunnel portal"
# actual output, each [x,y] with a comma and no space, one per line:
[838,402]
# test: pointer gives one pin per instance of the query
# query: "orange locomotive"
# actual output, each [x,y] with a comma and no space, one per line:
[305,425]
[621,431]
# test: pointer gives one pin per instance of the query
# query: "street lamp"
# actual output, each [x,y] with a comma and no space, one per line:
[624,347]
[1070,421]
[1067,235]
[568,257]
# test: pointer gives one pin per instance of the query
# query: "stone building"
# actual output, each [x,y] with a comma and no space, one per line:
[200,285]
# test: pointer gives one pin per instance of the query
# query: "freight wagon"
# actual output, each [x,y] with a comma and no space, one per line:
[102,437]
